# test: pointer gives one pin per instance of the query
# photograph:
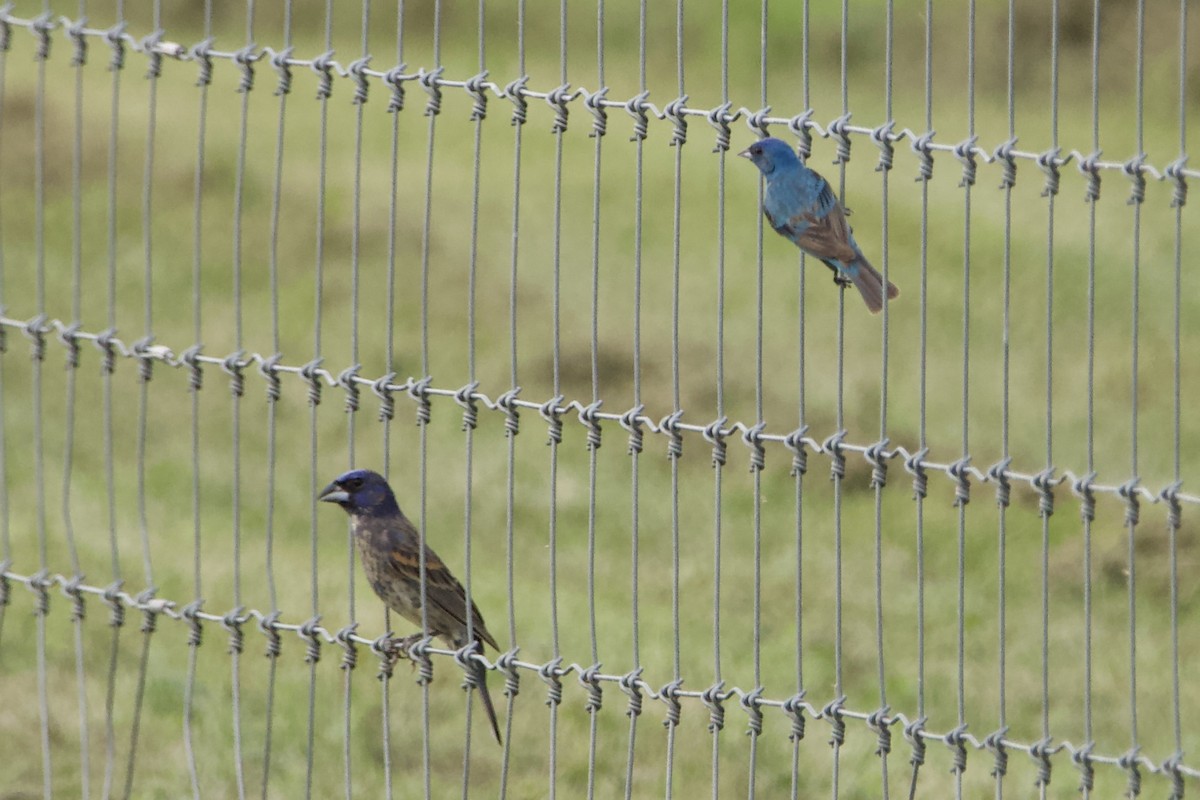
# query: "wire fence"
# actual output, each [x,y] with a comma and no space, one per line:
[298,248]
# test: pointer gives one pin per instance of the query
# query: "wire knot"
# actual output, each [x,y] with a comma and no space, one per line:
[552,675]
[115,36]
[269,369]
[42,26]
[961,472]
[914,734]
[465,397]
[714,698]
[69,337]
[39,584]
[476,86]
[35,331]
[877,456]
[670,425]
[879,722]
[720,118]
[1049,162]
[507,664]
[382,648]
[795,442]
[631,421]
[381,387]
[964,151]
[595,105]
[1090,166]
[512,418]
[322,65]
[308,631]
[714,433]
[956,740]
[674,111]
[884,139]
[232,623]
[1083,488]
[994,742]
[395,78]
[190,358]
[151,608]
[1129,762]
[345,638]
[5,27]
[1135,170]
[1174,171]
[5,588]
[232,366]
[837,457]
[1173,767]
[589,416]
[794,708]
[801,126]
[144,352]
[1040,752]
[269,627]
[73,591]
[418,653]
[752,437]
[191,615]
[751,703]
[636,108]
[590,680]
[76,33]
[757,121]
[515,92]
[998,473]
[149,46]
[357,71]
[558,99]
[837,723]
[1170,496]
[202,55]
[631,685]
[116,605]
[281,62]
[347,379]
[551,411]
[1045,482]
[1082,759]
[106,343]
[837,132]
[419,392]
[1008,178]
[311,372]
[1129,491]
[465,658]
[669,694]
[245,59]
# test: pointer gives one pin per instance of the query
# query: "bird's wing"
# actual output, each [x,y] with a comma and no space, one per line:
[821,228]
[442,589]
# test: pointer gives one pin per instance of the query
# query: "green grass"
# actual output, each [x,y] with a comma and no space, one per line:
[161,767]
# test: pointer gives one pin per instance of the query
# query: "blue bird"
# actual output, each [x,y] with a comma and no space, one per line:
[800,205]
[389,546]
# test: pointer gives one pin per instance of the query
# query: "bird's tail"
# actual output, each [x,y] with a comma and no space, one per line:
[870,285]
[486,699]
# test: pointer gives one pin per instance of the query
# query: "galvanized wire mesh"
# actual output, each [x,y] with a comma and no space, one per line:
[489,265]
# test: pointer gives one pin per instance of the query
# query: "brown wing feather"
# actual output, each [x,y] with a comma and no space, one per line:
[442,589]
[827,237]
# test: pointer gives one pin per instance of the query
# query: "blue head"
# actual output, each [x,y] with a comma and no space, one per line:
[361,491]
[771,154]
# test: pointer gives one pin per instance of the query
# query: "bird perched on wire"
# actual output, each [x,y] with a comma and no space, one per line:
[389,546]
[800,205]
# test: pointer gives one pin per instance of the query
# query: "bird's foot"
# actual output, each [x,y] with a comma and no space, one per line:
[841,280]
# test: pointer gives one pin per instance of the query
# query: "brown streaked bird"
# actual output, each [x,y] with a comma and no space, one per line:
[388,544]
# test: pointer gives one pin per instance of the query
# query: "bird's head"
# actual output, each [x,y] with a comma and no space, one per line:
[770,154]
[360,491]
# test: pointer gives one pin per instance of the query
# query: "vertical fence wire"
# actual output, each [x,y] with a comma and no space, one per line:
[5,536]
[511,426]
[41,607]
[116,618]
[273,397]
[78,611]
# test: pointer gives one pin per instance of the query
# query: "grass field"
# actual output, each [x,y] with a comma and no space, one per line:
[235,529]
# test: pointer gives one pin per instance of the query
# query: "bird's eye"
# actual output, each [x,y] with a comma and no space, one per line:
[354,484]
[756,150]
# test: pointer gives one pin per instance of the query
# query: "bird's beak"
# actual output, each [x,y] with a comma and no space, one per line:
[745,153]
[334,494]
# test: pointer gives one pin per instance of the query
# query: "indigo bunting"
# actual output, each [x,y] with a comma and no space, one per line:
[387,542]
[800,205]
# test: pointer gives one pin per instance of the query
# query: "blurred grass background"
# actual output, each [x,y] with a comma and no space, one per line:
[161,769]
